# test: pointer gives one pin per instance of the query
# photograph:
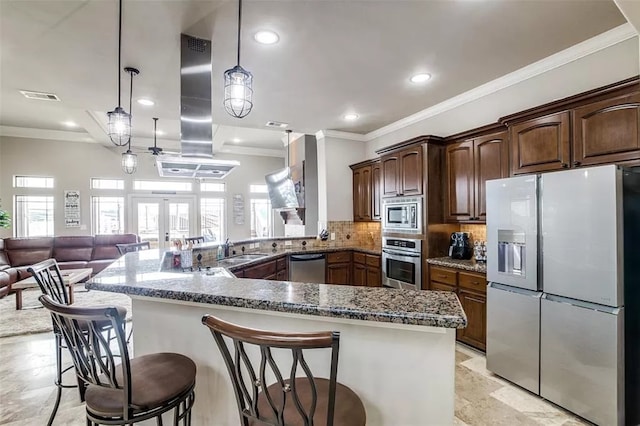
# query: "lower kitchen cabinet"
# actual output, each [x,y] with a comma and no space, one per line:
[274,269]
[471,288]
[366,270]
[338,268]
[359,274]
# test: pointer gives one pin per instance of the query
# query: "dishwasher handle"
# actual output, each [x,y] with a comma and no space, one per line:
[306,257]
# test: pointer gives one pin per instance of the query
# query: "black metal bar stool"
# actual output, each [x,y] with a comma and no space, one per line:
[133,390]
[300,399]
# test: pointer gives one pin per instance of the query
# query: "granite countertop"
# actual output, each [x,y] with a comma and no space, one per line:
[467,265]
[139,274]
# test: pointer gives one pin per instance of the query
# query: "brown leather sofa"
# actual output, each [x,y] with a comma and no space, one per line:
[72,252]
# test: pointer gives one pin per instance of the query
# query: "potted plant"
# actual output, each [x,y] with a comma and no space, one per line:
[5,220]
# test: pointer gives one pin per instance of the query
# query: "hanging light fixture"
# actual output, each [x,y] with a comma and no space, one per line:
[155,149]
[119,126]
[238,84]
[129,159]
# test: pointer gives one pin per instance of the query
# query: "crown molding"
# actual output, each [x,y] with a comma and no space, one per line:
[58,135]
[602,41]
[321,134]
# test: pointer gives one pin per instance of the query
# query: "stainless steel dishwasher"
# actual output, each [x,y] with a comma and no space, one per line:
[307,268]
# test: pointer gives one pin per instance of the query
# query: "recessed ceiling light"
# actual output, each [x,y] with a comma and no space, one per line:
[69,124]
[420,78]
[146,102]
[266,37]
[351,117]
[159,132]
[236,140]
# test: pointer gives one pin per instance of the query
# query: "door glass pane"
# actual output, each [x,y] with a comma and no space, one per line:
[148,224]
[107,215]
[178,221]
[212,218]
[261,220]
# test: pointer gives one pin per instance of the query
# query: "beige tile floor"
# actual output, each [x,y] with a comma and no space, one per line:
[27,368]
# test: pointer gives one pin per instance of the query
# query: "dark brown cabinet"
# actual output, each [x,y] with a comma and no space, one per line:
[275,269]
[366,191]
[402,172]
[607,131]
[366,270]
[541,144]
[469,164]
[471,288]
[359,274]
[338,268]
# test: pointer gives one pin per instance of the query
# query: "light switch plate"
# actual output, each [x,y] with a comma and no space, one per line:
[287,243]
[333,236]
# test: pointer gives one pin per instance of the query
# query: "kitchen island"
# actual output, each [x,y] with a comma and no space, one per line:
[397,347]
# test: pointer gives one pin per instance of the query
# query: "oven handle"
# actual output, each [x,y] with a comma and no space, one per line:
[397,253]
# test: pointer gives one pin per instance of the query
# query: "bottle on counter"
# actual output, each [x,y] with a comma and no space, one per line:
[220,254]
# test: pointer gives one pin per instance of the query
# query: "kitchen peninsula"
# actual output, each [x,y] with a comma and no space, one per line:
[397,347]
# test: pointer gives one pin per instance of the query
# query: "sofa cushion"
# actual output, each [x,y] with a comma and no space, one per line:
[4,260]
[74,248]
[105,245]
[79,264]
[28,251]
[13,274]
[5,284]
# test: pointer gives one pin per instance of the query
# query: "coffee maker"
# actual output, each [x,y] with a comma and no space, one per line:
[460,246]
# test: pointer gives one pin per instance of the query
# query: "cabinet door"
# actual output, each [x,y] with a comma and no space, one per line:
[491,161]
[475,306]
[359,274]
[283,275]
[374,276]
[339,273]
[540,144]
[390,175]
[365,194]
[411,171]
[607,131]
[459,203]
[376,188]
[436,286]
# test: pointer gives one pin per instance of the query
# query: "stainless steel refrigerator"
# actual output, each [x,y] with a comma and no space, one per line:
[562,261]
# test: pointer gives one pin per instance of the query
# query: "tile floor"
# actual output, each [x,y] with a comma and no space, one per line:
[27,368]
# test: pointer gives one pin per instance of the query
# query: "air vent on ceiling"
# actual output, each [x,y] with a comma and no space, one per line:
[277,124]
[41,96]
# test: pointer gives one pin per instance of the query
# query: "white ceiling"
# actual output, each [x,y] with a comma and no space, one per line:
[333,57]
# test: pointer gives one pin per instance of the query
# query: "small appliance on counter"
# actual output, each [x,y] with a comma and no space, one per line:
[460,246]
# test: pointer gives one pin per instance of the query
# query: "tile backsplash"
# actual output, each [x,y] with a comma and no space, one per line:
[478,232]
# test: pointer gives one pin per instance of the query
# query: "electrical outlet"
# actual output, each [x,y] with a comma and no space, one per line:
[287,243]
[333,236]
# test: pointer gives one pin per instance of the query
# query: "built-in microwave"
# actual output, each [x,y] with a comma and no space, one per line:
[402,215]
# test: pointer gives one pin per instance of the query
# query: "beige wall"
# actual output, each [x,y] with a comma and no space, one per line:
[606,66]
[72,164]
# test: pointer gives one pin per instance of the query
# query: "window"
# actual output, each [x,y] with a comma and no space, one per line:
[212,219]
[97,183]
[107,215]
[261,218]
[32,182]
[258,189]
[34,216]
[161,185]
[212,187]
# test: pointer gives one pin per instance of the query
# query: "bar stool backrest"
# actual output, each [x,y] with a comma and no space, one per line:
[128,248]
[194,239]
[248,384]
[49,279]
[90,350]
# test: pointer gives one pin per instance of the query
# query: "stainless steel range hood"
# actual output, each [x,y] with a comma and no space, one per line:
[196,136]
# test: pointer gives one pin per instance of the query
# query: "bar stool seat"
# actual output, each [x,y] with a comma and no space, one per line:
[349,410]
[155,379]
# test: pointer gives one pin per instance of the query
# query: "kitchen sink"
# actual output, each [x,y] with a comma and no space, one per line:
[241,258]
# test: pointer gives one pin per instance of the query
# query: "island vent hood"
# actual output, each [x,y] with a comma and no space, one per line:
[196,135]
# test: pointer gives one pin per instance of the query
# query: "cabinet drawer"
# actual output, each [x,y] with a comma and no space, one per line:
[373,260]
[281,263]
[473,282]
[443,275]
[339,257]
[261,271]
[359,258]
[441,287]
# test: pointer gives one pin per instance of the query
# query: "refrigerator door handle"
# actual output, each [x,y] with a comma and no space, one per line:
[518,290]
[581,304]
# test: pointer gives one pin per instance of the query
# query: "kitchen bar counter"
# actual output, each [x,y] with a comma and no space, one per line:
[396,346]
[467,265]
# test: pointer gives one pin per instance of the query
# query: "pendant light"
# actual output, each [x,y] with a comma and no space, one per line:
[238,84]
[119,126]
[155,149]
[129,159]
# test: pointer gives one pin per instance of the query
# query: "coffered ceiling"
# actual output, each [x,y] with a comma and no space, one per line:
[333,57]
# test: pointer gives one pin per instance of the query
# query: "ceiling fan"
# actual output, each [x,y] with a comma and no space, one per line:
[155,149]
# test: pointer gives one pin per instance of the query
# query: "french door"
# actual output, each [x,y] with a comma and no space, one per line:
[162,219]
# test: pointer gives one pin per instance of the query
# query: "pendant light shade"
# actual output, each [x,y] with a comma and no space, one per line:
[119,126]
[238,83]
[129,161]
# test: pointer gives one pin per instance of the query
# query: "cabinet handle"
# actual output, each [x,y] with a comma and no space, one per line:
[475,282]
[442,276]
[565,166]
[576,163]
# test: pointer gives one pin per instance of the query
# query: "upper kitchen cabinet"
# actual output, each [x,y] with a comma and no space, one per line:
[607,131]
[366,191]
[541,144]
[471,162]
